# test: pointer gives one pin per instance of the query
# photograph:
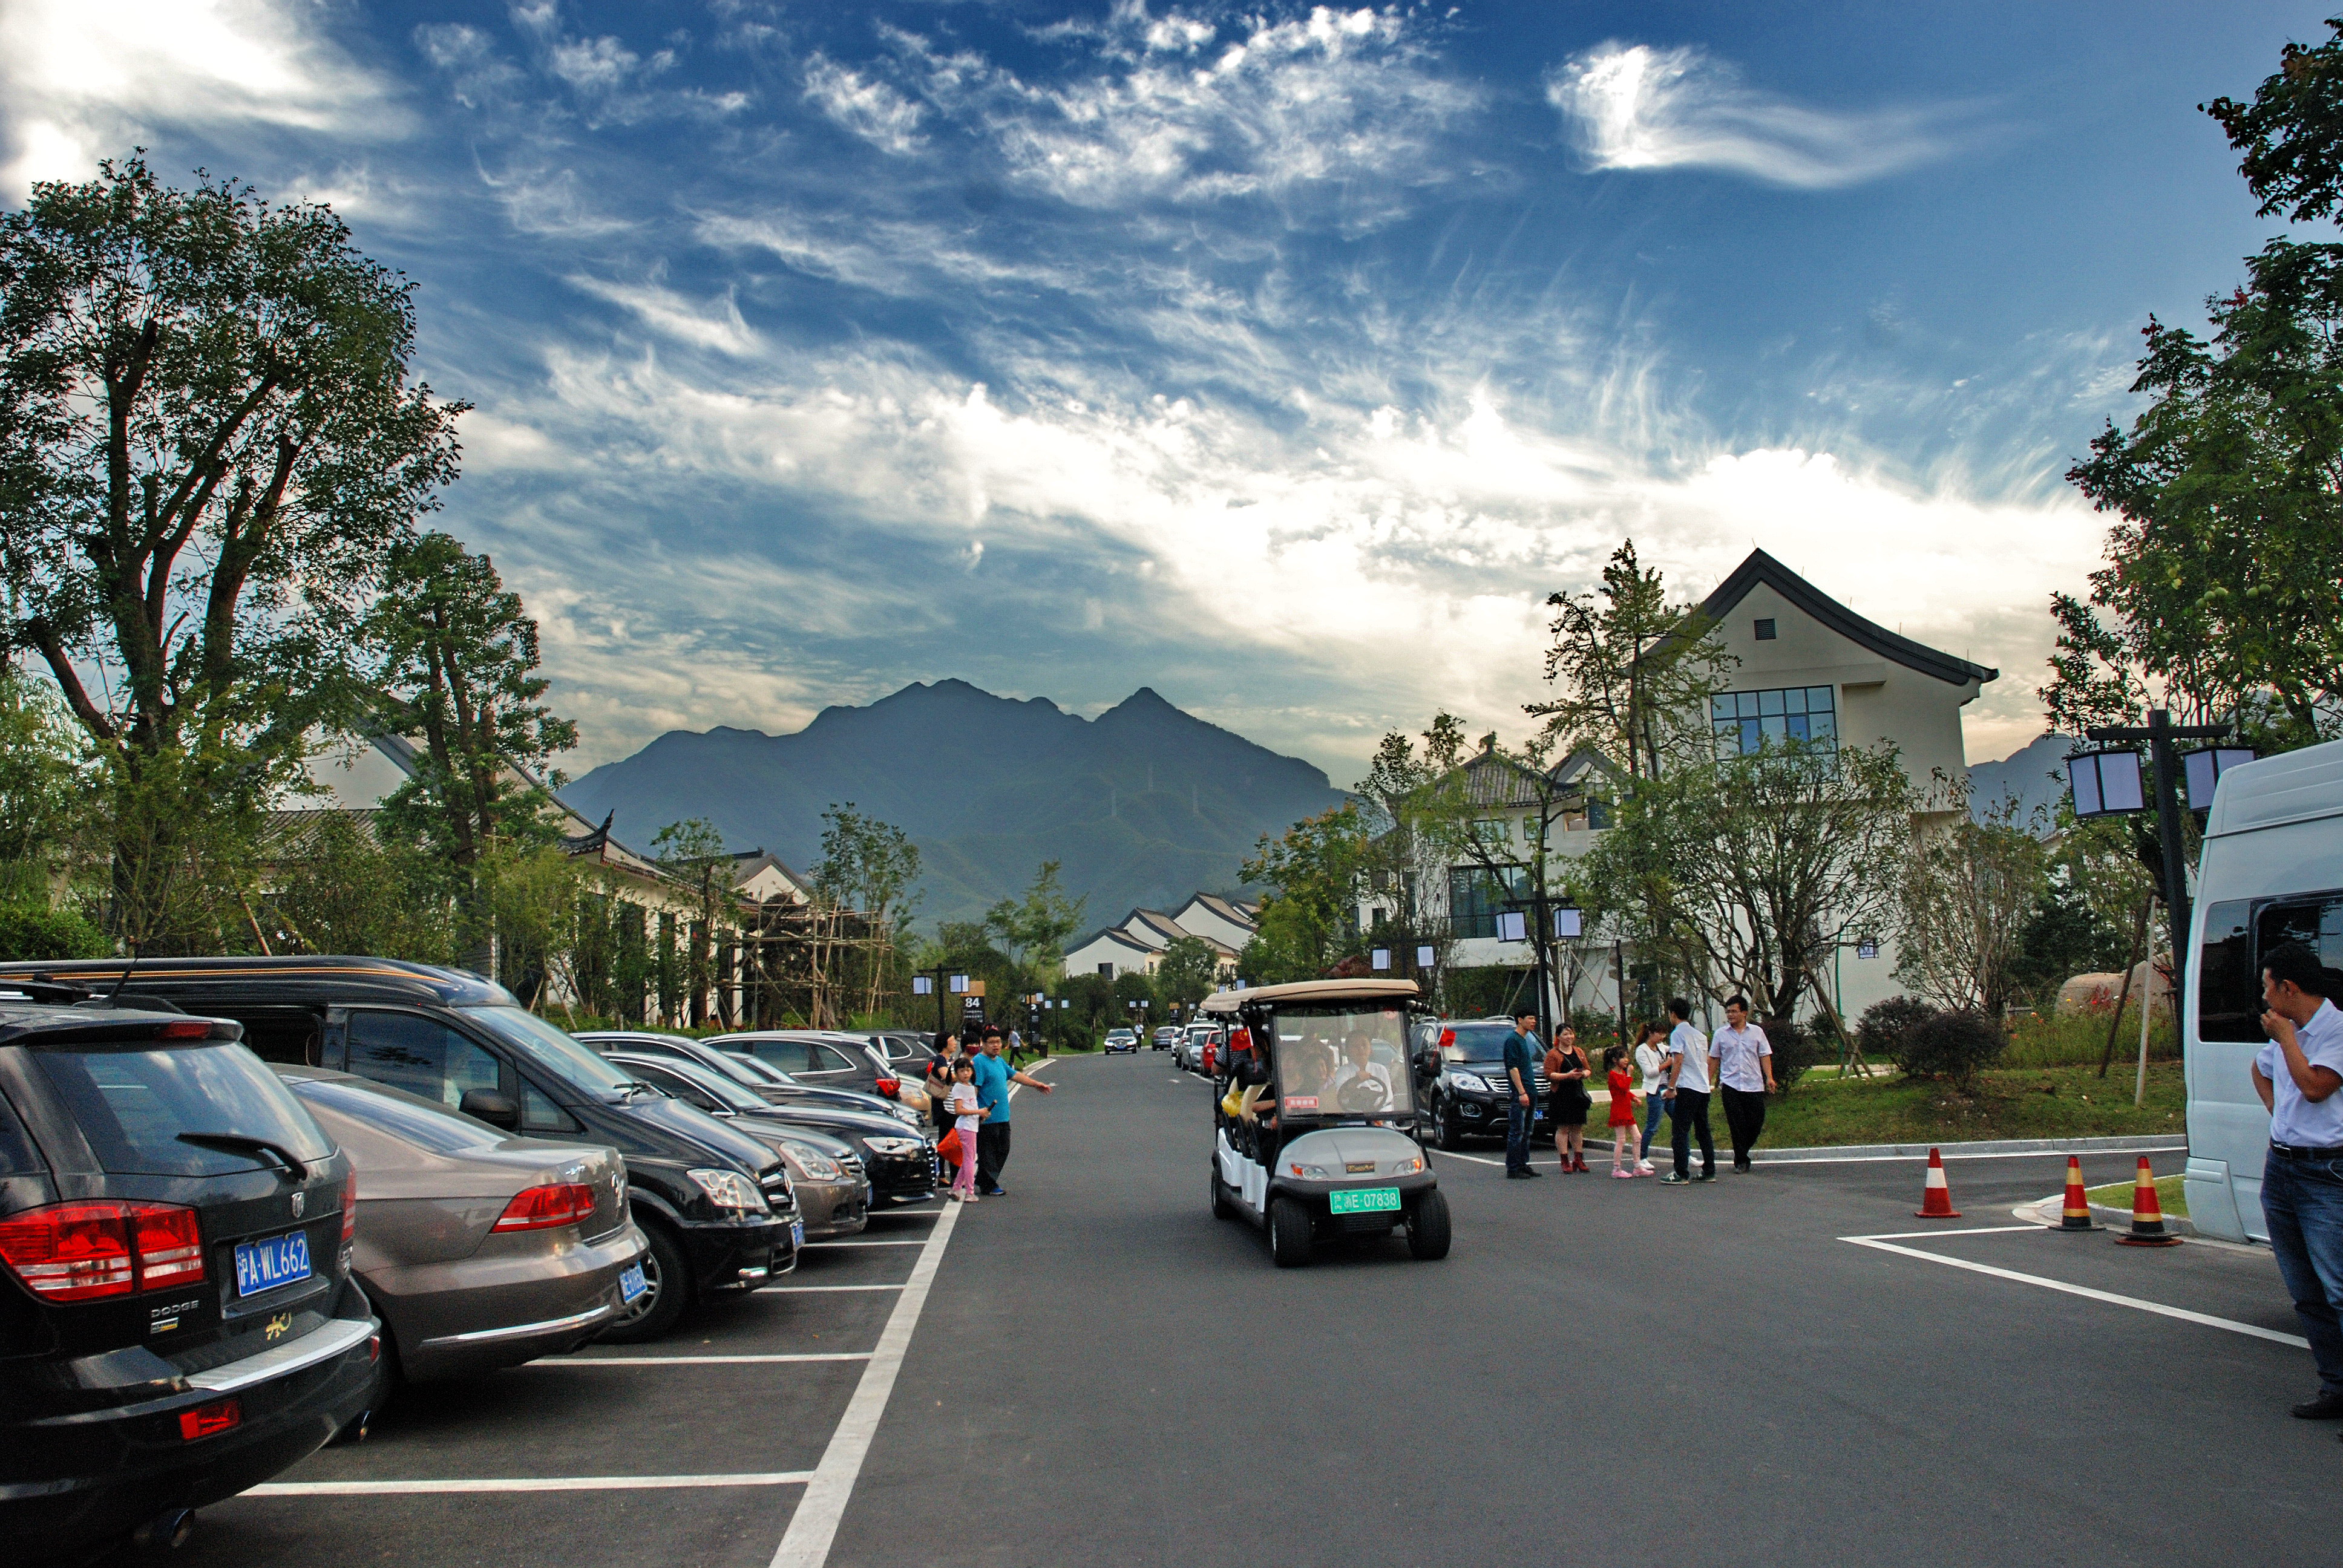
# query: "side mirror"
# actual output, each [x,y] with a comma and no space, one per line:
[495,1110]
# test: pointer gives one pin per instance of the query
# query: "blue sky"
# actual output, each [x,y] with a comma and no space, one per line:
[1282,359]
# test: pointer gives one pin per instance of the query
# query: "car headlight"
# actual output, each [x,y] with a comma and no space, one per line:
[895,1145]
[818,1166]
[1308,1172]
[907,1116]
[1472,1080]
[730,1189]
[1408,1167]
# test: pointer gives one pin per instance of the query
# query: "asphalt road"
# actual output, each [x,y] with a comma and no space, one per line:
[1099,1372]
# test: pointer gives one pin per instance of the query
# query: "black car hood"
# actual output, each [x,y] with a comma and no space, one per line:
[861,1124]
[683,1129]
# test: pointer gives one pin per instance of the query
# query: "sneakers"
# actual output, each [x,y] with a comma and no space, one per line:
[1673,1180]
[2326,1405]
[954,1197]
[996,1192]
[1706,1176]
[1644,1168]
[1622,1173]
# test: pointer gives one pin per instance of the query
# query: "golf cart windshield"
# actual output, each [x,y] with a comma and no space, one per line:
[1335,1062]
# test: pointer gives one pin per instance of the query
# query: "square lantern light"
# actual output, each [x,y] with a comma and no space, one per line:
[959,985]
[1424,958]
[923,985]
[1512,926]
[1380,958]
[2106,783]
[1569,924]
[1867,948]
[2203,769]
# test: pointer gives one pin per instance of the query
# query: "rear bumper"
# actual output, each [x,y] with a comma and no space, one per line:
[478,1313]
[79,1479]
[738,1254]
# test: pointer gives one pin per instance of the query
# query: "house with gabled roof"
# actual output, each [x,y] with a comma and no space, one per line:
[1229,921]
[1137,942]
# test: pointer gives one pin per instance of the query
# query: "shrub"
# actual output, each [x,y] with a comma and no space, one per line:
[32,931]
[1794,1051]
[1885,1026]
[1953,1044]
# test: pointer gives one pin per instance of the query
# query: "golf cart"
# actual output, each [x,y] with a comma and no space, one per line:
[1314,1129]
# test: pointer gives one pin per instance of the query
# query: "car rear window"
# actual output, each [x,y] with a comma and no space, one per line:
[132,1106]
[406,1117]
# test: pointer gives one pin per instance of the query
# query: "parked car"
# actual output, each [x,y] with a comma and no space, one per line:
[900,1160]
[907,1049]
[177,1316]
[767,1081]
[1193,1053]
[478,1248]
[1122,1039]
[833,1187]
[821,1059]
[1468,1098]
[1166,1036]
[714,1204]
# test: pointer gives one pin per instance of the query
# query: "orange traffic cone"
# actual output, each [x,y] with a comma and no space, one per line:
[2146,1214]
[2077,1216]
[1936,1197]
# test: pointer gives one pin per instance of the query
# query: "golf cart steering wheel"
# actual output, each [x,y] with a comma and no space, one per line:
[1363,1092]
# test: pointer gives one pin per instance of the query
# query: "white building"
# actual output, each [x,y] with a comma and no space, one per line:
[1137,942]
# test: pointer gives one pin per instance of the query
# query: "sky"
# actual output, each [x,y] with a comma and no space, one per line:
[1282,359]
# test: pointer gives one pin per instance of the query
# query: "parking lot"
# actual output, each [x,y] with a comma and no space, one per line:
[1099,1372]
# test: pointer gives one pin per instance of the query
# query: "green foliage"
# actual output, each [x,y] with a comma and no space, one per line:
[37,931]
[2063,935]
[866,864]
[2292,132]
[1968,885]
[1188,972]
[1033,930]
[1629,666]
[342,890]
[1886,1026]
[1307,921]
[1796,1050]
[45,776]
[1956,1043]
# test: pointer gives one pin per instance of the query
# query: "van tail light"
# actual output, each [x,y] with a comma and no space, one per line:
[349,1207]
[206,1420]
[544,1208]
[185,1028]
[84,1251]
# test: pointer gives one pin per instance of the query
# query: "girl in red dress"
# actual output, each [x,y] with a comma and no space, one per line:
[1623,1113]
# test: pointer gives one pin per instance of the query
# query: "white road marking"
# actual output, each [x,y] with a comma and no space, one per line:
[523,1484]
[814,1525]
[810,1290]
[922,1243]
[1964,1231]
[699,1360]
[2159,1308]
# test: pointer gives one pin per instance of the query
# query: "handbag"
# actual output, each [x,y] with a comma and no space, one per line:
[947,1146]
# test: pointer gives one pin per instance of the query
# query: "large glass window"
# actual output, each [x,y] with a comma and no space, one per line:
[420,1055]
[1747,723]
[1475,894]
[1343,1062]
[132,1106]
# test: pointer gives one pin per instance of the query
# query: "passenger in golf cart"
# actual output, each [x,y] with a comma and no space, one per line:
[1314,1132]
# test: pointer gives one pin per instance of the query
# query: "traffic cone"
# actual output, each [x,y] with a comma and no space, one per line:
[1935,1197]
[2146,1214]
[2077,1216]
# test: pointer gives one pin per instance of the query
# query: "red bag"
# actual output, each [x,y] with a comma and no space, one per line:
[947,1146]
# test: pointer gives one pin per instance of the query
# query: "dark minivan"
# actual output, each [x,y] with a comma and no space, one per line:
[715,1204]
[177,1319]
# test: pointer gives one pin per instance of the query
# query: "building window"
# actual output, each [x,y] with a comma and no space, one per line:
[1746,721]
[1765,630]
[1475,895]
[1495,832]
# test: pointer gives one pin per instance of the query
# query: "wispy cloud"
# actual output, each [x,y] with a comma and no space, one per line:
[714,324]
[1632,106]
[870,109]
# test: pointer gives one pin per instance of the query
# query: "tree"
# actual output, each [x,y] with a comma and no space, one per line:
[207,443]
[1630,668]
[1189,970]
[1406,854]
[1307,921]
[1033,931]
[692,851]
[44,780]
[1970,886]
[866,864]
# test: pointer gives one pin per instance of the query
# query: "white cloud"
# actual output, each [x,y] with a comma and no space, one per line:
[1638,107]
[714,324]
[79,81]
[870,109]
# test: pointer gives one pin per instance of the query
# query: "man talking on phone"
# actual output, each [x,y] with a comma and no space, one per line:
[2296,1074]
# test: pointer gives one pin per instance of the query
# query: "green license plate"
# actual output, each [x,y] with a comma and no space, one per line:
[1364,1199]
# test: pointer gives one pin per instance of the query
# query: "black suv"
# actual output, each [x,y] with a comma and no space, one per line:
[1468,1099]
[714,1203]
[177,1319]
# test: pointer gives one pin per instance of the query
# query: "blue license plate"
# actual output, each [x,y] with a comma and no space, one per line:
[631,1283]
[264,1265]
[797,1233]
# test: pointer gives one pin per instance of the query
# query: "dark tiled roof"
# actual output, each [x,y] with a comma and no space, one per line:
[1760,568]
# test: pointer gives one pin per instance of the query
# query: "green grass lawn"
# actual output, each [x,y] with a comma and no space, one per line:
[2170,1196]
[2029,1102]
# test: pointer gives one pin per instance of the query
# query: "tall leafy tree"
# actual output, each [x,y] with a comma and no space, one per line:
[1628,667]
[866,864]
[1972,887]
[44,773]
[1032,930]
[1314,869]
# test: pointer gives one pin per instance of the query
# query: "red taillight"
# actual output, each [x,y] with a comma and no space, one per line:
[349,1207]
[208,1419]
[889,1087]
[543,1208]
[81,1252]
[185,1028]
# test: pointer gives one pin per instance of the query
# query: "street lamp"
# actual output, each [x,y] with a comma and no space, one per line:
[2203,769]
[1378,958]
[2106,783]
[1425,957]
[1569,924]
[1512,926]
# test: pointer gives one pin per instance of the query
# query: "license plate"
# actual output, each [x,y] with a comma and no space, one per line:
[631,1285]
[264,1265]
[1363,1199]
[797,1233]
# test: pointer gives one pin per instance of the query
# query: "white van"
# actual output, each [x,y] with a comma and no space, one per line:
[2272,872]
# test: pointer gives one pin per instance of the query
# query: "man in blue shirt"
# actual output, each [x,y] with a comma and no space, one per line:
[1521,1099]
[993,1077]
[2296,1074]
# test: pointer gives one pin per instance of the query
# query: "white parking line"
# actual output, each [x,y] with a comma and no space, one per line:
[698,1361]
[1932,1235]
[810,1290]
[920,1242]
[523,1484]
[814,1523]
[2159,1308]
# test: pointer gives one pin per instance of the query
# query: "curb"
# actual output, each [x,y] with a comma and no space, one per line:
[2047,1211]
[2147,1144]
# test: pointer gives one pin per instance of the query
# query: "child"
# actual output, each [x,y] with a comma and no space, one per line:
[1624,1151]
[966,1118]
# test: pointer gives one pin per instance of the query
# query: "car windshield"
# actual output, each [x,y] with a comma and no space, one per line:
[758,1068]
[133,1105]
[730,1093]
[549,1050]
[1478,1042]
[1342,1062]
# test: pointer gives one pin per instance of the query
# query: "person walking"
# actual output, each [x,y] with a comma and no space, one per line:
[1622,1114]
[938,1080]
[1741,1060]
[1521,1103]
[968,1120]
[2296,1074]
[1567,1101]
[1651,1061]
[1687,1094]
[993,1077]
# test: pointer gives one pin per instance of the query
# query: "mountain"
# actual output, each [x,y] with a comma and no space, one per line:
[1141,806]
[2036,774]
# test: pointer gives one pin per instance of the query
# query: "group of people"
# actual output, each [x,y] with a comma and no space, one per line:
[968,1097]
[1680,1070]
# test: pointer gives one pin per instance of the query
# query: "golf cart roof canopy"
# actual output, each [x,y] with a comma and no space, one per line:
[1304,993]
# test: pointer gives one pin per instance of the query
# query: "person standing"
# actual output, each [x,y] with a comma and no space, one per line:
[1567,1101]
[1651,1061]
[1741,1060]
[1623,1113]
[939,1080]
[1521,1103]
[1686,1094]
[993,1077]
[2296,1074]
[968,1120]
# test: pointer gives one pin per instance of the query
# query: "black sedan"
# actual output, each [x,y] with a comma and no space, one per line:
[769,1083]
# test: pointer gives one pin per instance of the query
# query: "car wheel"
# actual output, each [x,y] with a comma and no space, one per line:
[1446,1135]
[669,1282]
[1222,1208]
[1289,1232]
[1427,1227]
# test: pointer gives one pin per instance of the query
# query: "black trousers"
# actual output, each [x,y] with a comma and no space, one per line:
[1744,1115]
[1688,1114]
[992,1153]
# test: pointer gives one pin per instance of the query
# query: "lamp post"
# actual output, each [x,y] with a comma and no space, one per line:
[928,981]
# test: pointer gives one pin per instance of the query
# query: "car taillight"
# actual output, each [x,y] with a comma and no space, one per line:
[889,1087]
[349,1206]
[80,1251]
[543,1208]
[206,1418]
[185,1028]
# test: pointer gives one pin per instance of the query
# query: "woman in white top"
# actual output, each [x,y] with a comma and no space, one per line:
[1651,1061]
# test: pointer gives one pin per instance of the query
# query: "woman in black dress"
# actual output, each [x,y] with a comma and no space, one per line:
[1567,1101]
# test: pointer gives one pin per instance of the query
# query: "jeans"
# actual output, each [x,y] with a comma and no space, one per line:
[1745,1118]
[992,1154]
[2303,1202]
[1654,1109]
[1689,1113]
[1519,1120]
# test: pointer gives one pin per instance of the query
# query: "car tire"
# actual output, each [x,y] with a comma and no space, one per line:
[1427,1227]
[1222,1208]
[669,1279]
[1446,1135]
[1289,1232]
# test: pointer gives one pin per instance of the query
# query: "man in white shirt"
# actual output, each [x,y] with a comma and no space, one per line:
[1742,1060]
[2298,1074]
[1687,1097]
